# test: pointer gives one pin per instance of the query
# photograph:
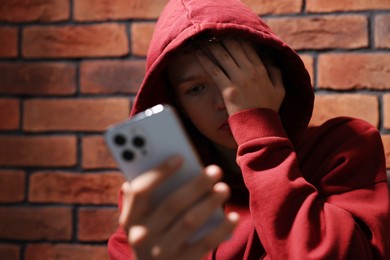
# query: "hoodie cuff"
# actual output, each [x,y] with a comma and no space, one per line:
[256,123]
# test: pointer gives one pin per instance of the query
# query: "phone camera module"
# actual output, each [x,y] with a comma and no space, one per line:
[119,139]
[128,155]
[138,141]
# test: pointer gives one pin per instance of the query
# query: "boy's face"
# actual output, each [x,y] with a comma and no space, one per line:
[200,98]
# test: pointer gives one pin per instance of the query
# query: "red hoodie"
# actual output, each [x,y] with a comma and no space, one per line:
[305,193]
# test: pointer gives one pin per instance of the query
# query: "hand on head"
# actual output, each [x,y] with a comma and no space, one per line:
[244,79]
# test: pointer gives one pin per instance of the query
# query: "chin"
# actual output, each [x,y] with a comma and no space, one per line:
[230,144]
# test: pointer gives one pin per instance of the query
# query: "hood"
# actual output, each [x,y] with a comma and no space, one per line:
[184,19]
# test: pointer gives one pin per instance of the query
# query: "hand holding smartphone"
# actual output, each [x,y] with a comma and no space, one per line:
[149,138]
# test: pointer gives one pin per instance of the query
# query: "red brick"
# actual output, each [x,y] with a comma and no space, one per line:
[322,32]
[274,7]
[43,78]
[382,31]
[111,77]
[95,153]
[353,105]
[35,223]
[9,114]
[82,114]
[82,188]
[141,35]
[89,219]
[386,111]
[308,60]
[10,252]
[8,42]
[12,186]
[34,11]
[101,40]
[45,151]
[65,251]
[91,10]
[354,71]
[319,6]
[386,144]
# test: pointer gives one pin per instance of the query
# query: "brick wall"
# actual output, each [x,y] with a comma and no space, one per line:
[70,68]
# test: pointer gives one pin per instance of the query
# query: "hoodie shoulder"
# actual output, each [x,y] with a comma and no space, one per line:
[342,154]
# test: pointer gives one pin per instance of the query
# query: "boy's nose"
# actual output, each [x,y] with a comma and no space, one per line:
[219,102]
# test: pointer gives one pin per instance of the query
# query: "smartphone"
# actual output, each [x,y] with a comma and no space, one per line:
[146,140]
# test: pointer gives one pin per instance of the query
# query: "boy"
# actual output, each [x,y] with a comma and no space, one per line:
[289,191]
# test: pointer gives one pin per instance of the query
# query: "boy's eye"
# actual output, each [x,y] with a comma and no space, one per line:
[195,89]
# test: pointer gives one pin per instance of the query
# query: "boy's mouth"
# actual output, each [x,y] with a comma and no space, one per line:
[224,125]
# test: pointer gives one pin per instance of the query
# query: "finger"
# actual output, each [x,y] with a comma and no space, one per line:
[275,76]
[156,176]
[252,55]
[138,193]
[215,72]
[211,241]
[236,51]
[223,58]
[192,220]
[266,61]
[126,202]
[193,191]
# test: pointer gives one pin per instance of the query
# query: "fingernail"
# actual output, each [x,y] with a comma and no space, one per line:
[213,171]
[234,217]
[221,187]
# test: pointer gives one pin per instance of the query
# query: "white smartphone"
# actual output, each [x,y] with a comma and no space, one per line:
[147,139]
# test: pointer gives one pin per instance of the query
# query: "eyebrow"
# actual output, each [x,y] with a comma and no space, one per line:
[185,79]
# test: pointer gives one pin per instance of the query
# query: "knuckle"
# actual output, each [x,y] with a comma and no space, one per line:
[252,73]
[215,71]
[230,94]
[224,56]
[156,252]
[188,222]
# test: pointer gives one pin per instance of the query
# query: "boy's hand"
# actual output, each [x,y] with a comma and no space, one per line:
[243,78]
[162,232]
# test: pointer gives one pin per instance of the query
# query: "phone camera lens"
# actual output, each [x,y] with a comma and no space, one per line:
[128,155]
[138,141]
[119,139]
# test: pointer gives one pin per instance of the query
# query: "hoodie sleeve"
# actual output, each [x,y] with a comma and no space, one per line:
[331,203]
